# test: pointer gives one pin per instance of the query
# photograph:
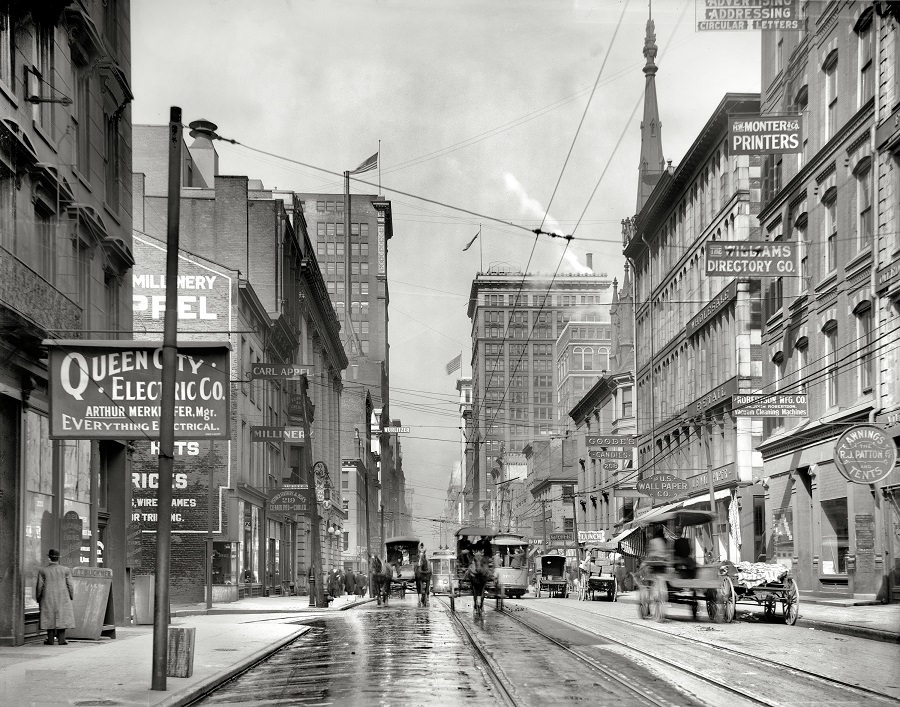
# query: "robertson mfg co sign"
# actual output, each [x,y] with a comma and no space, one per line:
[113,389]
[770,405]
[865,454]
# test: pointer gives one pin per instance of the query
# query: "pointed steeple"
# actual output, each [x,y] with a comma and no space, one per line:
[652,161]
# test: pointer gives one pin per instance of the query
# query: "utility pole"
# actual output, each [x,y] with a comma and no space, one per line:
[707,429]
[575,525]
[381,545]
[312,503]
[544,521]
[167,411]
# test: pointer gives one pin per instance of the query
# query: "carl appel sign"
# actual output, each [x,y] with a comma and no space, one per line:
[113,389]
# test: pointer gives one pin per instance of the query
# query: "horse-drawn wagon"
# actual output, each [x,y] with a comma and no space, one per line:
[598,572]
[678,580]
[402,552]
[767,585]
[475,566]
[553,579]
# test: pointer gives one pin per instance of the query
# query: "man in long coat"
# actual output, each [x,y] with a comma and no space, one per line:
[349,582]
[55,592]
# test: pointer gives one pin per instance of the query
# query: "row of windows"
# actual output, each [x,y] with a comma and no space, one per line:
[335,249]
[358,231]
[544,300]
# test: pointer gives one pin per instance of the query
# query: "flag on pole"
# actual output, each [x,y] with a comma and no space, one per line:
[475,238]
[369,164]
[454,364]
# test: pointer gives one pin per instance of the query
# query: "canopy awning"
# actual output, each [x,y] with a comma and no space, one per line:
[658,510]
[724,493]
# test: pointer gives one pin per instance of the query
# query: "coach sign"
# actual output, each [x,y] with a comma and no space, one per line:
[113,389]
[865,454]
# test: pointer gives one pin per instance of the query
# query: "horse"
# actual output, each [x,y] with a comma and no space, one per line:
[423,577]
[380,572]
[480,572]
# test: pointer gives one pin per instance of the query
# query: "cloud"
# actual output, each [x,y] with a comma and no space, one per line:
[533,208]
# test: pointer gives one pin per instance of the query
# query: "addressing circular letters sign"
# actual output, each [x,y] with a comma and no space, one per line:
[865,454]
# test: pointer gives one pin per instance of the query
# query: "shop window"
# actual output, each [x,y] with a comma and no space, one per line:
[835,536]
[783,535]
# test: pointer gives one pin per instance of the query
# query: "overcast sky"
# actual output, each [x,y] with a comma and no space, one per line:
[476,104]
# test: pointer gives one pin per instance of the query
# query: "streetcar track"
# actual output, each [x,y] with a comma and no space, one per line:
[832,682]
[643,694]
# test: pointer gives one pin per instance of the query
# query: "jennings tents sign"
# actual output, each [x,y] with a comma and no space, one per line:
[113,390]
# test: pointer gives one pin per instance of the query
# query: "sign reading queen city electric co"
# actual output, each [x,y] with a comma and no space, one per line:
[113,390]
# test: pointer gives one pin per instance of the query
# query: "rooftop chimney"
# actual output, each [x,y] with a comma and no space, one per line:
[203,153]
[590,260]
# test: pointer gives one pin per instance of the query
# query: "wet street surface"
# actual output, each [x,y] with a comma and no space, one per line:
[549,652]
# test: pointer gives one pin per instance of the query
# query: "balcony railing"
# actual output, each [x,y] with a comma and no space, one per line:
[30,295]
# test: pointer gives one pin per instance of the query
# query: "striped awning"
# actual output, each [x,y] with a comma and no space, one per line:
[631,542]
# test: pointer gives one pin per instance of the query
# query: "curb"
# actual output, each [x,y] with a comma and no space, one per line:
[872,634]
[191,694]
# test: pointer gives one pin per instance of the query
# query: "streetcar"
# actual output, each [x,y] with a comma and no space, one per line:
[402,552]
[443,571]
[511,565]
[469,539]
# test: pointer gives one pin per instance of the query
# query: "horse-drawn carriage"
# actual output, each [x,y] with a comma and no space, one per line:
[475,568]
[676,580]
[402,552]
[598,572]
[511,565]
[553,578]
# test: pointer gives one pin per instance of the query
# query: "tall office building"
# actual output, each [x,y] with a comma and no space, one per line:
[351,247]
[516,321]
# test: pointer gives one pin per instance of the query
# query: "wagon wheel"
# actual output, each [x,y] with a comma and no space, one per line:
[659,594]
[712,607]
[643,602]
[729,603]
[790,605]
[769,607]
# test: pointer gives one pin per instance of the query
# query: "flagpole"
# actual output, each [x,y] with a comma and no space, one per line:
[480,251]
[379,168]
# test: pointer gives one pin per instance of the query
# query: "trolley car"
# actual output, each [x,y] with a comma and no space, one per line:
[510,556]
[443,571]
[402,552]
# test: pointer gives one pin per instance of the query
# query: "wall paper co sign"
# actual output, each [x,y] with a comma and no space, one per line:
[751,259]
[662,486]
[113,390]
[759,405]
[268,371]
[610,440]
[740,15]
[865,454]
[295,435]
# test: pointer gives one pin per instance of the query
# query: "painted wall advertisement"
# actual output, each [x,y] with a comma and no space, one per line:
[113,389]
[743,15]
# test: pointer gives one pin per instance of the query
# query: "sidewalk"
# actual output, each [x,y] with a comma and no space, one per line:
[879,622]
[229,639]
[234,636]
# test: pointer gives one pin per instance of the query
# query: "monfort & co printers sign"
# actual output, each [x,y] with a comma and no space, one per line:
[113,389]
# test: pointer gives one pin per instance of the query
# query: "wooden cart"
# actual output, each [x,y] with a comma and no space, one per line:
[768,586]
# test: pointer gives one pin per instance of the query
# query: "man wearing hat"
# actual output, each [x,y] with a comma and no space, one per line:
[54,592]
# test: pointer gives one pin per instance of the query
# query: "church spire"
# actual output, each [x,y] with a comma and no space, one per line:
[652,162]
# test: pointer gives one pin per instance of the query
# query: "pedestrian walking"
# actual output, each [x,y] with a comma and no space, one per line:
[55,592]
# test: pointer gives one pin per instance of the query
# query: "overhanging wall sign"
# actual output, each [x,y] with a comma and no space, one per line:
[865,454]
[113,389]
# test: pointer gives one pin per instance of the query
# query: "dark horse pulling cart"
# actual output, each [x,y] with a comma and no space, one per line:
[669,580]
[474,566]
